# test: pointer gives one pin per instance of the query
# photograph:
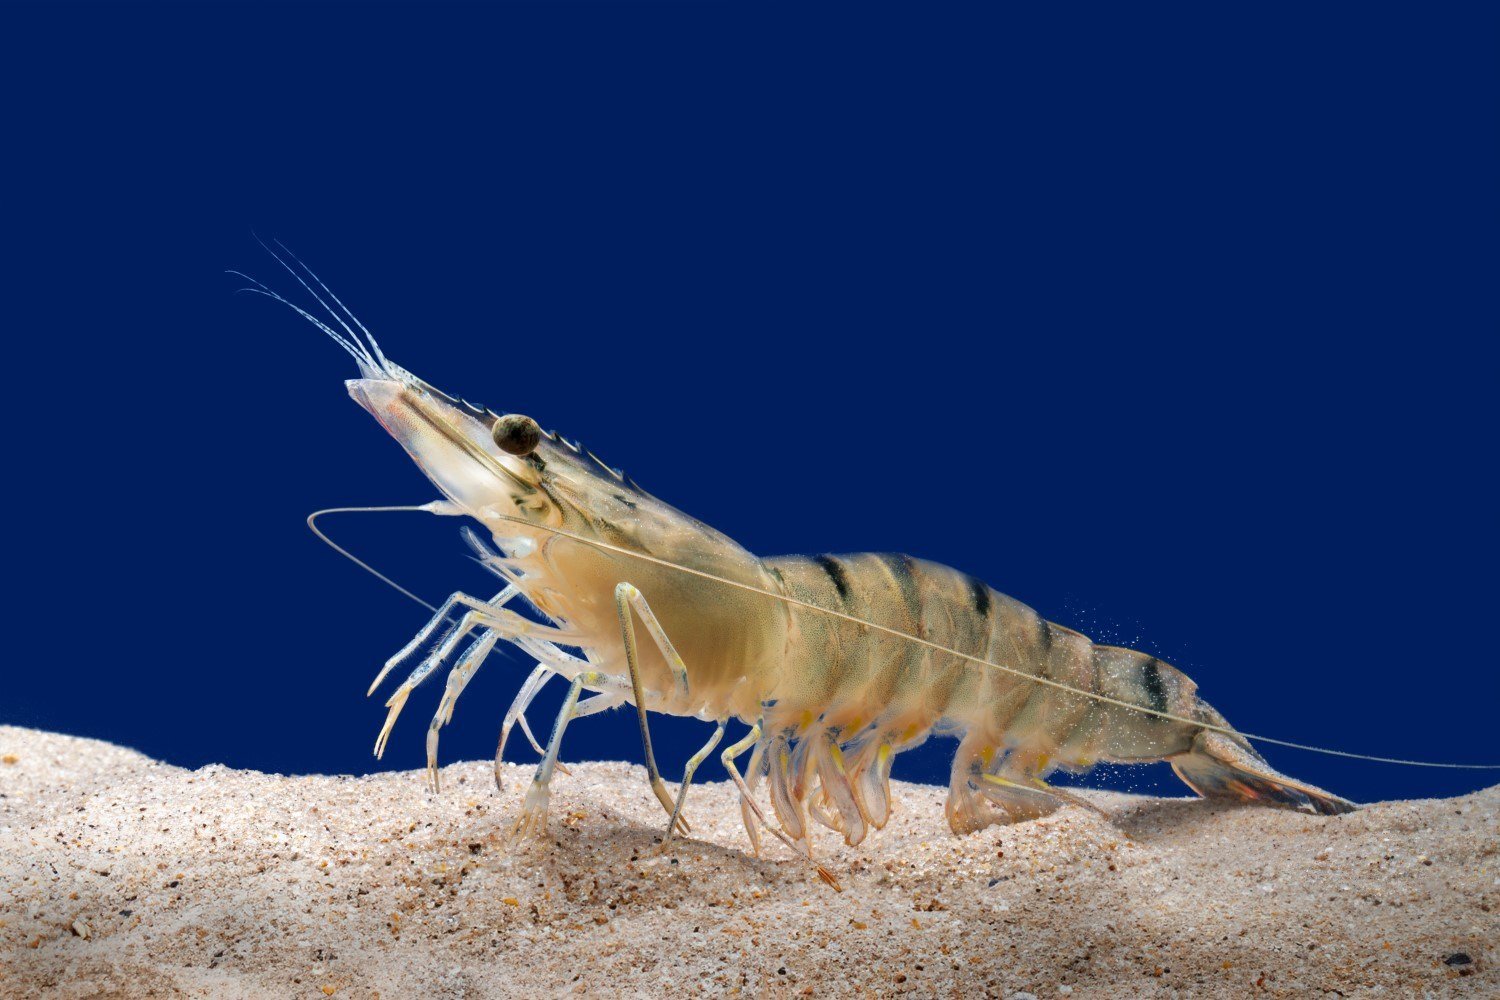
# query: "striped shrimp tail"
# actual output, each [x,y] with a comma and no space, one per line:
[1221,767]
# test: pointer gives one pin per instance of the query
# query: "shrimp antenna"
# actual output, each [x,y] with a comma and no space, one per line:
[312,291]
[360,359]
[443,507]
[374,344]
[312,523]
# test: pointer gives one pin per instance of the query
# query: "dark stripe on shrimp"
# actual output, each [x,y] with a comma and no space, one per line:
[980,591]
[904,571]
[836,573]
[1156,691]
[901,567]
[1044,634]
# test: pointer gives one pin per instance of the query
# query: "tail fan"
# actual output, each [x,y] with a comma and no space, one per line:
[1218,767]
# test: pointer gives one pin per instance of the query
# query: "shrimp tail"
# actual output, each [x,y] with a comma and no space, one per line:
[1221,767]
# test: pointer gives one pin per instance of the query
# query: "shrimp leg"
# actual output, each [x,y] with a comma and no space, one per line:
[505,624]
[628,598]
[468,665]
[517,713]
[441,616]
[522,631]
[687,776]
[533,819]
[727,758]
[458,679]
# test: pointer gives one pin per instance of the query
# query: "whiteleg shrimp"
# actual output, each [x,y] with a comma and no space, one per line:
[836,663]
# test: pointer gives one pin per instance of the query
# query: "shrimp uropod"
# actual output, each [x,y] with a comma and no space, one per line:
[836,663]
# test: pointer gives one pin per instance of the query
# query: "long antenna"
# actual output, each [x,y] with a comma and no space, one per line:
[442,507]
[312,522]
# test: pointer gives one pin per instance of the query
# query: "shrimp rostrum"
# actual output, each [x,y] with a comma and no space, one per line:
[835,663]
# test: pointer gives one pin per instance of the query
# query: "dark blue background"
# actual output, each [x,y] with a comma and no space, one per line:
[1178,325]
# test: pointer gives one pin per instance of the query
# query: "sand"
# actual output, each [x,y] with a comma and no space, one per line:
[121,876]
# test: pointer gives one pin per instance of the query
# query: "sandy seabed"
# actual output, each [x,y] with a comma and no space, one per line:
[124,877]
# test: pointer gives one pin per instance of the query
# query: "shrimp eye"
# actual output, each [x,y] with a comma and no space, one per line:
[517,434]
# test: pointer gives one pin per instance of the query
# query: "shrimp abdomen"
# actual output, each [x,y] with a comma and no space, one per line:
[1036,696]
[1214,764]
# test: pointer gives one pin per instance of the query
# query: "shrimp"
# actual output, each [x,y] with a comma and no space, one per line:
[835,663]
